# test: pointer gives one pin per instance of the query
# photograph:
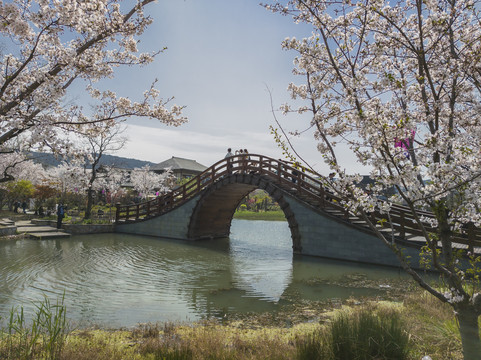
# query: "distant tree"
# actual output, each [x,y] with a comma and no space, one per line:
[43,193]
[20,190]
[68,178]
[181,181]
[52,45]
[145,182]
[8,161]
[399,85]
[111,182]
[16,166]
[258,200]
[109,140]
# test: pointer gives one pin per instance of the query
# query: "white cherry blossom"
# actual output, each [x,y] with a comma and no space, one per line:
[399,84]
[51,45]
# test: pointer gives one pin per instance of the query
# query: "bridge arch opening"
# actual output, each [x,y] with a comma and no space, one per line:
[259,201]
[213,214]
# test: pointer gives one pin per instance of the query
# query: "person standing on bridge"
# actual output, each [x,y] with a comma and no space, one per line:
[245,160]
[240,158]
[295,172]
[331,179]
[228,157]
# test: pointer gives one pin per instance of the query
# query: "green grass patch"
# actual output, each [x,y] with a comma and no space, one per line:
[276,215]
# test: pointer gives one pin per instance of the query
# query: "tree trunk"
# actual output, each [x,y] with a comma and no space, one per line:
[88,210]
[90,191]
[467,318]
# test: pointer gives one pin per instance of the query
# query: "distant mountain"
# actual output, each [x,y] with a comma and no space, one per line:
[48,159]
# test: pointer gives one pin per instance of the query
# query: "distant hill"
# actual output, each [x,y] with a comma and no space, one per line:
[48,159]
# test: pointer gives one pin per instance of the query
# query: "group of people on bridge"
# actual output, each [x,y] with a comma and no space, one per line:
[242,154]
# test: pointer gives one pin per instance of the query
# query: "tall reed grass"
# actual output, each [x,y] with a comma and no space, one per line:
[361,335]
[43,338]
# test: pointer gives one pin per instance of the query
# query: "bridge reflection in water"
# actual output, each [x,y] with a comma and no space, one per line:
[120,280]
[318,223]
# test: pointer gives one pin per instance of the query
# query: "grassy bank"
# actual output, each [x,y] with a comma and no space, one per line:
[417,326]
[277,215]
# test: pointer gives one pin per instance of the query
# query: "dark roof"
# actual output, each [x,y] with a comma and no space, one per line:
[176,163]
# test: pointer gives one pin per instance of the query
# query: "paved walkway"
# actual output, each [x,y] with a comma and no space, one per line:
[40,232]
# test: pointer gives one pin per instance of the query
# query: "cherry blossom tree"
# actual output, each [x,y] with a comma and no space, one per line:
[145,182]
[48,46]
[111,184]
[109,140]
[9,163]
[16,166]
[399,85]
[68,177]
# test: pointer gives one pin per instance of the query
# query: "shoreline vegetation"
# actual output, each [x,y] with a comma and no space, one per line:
[410,327]
[274,215]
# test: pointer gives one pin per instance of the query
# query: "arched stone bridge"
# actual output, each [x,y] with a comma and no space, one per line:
[203,208]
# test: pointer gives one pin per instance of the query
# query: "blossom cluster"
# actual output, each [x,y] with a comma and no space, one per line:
[51,45]
[145,181]
[397,84]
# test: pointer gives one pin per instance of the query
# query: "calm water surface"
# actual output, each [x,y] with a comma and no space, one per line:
[121,280]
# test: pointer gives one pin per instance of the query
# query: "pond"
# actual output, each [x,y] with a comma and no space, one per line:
[116,280]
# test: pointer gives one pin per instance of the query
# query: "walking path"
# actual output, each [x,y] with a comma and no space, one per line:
[40,232]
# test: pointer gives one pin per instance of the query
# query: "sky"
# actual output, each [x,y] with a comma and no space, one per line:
[223,62]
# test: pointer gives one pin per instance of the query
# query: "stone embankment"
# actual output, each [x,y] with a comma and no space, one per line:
[78,228]
[46,229]
[40,232]
[7,227]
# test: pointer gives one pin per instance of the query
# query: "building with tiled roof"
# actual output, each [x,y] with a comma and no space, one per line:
[181,168]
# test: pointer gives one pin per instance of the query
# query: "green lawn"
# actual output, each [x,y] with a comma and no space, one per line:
[277,215]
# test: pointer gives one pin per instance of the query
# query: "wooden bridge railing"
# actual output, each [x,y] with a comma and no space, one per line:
[277,170]
[311,189]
